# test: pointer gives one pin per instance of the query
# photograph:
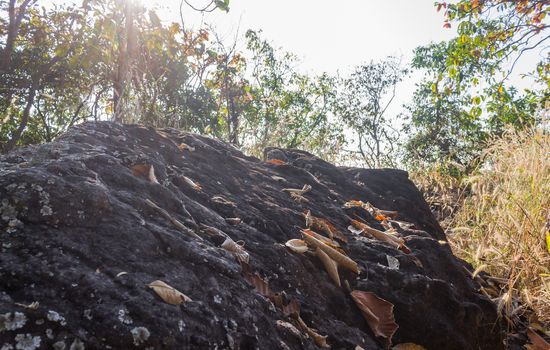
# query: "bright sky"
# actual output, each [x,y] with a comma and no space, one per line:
[331,35]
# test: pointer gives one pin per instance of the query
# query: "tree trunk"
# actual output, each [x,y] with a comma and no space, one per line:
[24,120]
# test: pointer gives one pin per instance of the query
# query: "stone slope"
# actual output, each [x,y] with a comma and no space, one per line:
[73,217]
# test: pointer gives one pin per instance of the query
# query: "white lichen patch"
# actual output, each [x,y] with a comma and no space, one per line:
[124,317]
[88,314]
[56,317]
[77,345]
[49,333]
[27,342]
[10,322]
[60,345]
[6,346]
[140,335]
[44,200]
[181,325]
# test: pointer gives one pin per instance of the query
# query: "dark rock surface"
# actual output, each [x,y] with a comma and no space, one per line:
[73,217]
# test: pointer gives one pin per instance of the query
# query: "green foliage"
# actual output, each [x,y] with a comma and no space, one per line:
[463,97]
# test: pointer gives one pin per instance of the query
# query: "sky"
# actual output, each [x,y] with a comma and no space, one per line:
[333,36]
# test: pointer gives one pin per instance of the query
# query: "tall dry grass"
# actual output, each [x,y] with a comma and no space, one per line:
[499,220]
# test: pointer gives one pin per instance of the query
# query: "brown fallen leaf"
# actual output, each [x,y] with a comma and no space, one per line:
[145,171]
[324,226]
[335,255]
[237,249]
[330,265]
[408,346]
[378,313]
[259,284]
[322,238]
[300,192]
[298,198]
[194,185]
[169,294]
[223,201]
[184,146]
[33,306]
[172,219]
[233,221]
[276,162]
[320,340]
[378,214]
[396,242]
[296,245]
[537,342]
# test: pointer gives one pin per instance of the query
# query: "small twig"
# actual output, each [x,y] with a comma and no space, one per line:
[173,220]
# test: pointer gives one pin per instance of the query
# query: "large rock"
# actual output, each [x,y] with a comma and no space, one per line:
[73,217]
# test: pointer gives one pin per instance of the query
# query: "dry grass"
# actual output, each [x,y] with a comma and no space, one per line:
[499,221]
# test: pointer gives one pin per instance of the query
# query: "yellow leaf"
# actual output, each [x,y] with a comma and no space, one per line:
[169,294]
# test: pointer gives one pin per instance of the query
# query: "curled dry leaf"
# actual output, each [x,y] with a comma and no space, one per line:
[121,274]
[408,346]
[298,198]
[276,162]
[223,201]
[145,171]
[296,245]
[172,219]
[537,342]
[320,340]
[169,294]
[397,242]
[378,313]
[340,258]
[237,249]
[330,265]
[301,192]
[184,146]
[322,238]
[378,214]
[278,178]
[194,185]
[33,306]
[233,221]
[324,226]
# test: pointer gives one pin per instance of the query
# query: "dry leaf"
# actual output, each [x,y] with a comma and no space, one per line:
[169,294]
[33,306]
[145,171]
[256,281]
[222,200]
[408,346]
[378,313]
[340,258]
[233,221]
[330,265]
[537,342]
[397,242]
[320,340]
[194,185]
[378,214]
[324,226]
[296,245]
[322,238]
[278,178]
[276,162]
[184,146]
[300,192]
[298,198]
[121,274]
[237,249]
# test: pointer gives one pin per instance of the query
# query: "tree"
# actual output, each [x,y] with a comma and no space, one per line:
[464,97]
[363,104]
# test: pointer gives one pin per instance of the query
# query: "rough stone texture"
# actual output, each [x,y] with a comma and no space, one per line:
[72,217]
